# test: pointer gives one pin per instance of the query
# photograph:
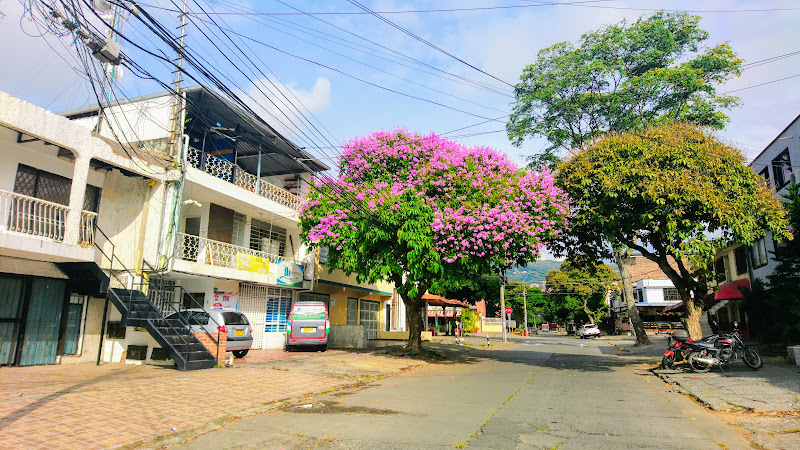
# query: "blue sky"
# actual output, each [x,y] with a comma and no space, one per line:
[498,41]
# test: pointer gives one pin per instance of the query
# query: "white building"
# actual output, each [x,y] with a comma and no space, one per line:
[779,165]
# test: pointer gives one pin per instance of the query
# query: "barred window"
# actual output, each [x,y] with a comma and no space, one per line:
[671,295]
[267,238]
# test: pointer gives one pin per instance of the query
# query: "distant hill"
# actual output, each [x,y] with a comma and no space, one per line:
[533,273]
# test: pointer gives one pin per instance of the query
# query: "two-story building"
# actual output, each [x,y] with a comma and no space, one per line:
[233,241]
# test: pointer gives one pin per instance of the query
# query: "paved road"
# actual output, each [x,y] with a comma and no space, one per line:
[544,392]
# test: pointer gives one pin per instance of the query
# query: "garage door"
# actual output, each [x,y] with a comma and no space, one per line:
[252,303]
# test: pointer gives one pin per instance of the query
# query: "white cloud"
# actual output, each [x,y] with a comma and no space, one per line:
[281,113]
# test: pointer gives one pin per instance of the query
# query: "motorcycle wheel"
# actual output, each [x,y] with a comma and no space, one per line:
[752,359]
[697,366]
[667,362]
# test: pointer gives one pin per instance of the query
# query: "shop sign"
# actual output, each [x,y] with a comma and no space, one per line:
[252,263]
[227,301]
[289,274]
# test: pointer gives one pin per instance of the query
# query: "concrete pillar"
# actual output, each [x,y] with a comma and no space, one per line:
[77,195]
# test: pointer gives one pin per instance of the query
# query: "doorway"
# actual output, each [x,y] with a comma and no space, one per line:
[370,317]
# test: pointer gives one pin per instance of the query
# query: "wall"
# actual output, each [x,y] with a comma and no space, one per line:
[121,216]
[21,266]
[348,336]
[137,121]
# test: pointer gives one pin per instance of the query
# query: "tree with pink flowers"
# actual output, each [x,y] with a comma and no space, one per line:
[427,213]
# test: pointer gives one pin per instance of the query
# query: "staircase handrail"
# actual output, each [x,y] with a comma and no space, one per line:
[183,321]
[194,301]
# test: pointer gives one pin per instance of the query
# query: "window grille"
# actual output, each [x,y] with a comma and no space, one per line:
[42,185]
[782,169]
[671,295]
[267,238]
[279,303]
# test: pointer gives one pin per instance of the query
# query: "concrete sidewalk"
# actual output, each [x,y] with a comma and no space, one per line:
[765,404]
[86,406]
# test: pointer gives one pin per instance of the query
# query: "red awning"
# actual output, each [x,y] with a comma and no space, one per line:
[732,290]
[728,291]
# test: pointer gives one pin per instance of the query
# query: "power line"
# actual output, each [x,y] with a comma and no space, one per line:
[428,43]
[761,84]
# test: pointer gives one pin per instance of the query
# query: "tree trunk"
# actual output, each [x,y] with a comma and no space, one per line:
[627,293]
[586,310]
[693,314]
[413,323]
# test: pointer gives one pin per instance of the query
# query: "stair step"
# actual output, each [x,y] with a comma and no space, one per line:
[198,365]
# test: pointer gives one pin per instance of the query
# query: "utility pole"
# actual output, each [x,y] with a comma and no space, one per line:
[503,302]
[178,107]
[525,307]
[113,35]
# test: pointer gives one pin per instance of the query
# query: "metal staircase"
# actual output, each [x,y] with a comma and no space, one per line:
[142,306]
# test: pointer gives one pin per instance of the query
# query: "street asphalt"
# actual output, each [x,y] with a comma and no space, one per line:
[545,391]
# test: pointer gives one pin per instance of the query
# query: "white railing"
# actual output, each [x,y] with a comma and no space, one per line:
[230,172]
[88,225]
[32,216]
[215,253]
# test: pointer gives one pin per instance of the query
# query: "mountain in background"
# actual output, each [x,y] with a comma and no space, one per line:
[533,273]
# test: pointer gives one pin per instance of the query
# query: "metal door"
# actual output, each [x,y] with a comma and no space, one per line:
[10,305]
[43,322]
[252,303]
[369,316]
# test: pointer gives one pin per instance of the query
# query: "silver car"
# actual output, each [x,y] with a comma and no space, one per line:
[230,324]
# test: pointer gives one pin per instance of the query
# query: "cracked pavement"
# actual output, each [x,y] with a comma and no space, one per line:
[543,392]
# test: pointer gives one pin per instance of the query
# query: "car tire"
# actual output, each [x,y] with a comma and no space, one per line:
[239,353]
[323,348]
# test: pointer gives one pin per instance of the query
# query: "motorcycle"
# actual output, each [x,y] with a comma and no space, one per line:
[677,349]
[721,351]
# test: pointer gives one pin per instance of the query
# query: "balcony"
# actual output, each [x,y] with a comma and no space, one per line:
[39,222]
[230,172]
[207,257]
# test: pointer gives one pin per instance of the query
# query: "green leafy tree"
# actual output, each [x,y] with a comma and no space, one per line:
[470,320]
[776,307]
[622,77]
[671,190]
[427,214]
[586,287]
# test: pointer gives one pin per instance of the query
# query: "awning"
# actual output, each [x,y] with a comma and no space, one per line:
[436,300]
[731,290]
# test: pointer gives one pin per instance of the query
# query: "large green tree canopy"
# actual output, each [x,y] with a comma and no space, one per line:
[582,288]
[427,213]
[622,77]
[671,190]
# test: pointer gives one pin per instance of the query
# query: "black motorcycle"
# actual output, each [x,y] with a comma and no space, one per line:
[720,351]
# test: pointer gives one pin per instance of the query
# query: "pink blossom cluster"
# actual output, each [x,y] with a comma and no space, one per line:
[480,205]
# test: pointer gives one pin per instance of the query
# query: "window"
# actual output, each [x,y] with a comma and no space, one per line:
[239,221]
[721,269]
[268,238]
[740,258]
[279,303]
[671,295]
[765,174]
[781,249]
[352,310]
[782,170]
[759,253]
[43,185]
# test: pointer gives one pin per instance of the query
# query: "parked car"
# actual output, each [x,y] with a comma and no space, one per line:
[308,325]
[588,330]
[232,325]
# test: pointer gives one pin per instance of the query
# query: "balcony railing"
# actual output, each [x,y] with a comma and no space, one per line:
[88,227]
[32,216]
[215,253]
[230,172]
